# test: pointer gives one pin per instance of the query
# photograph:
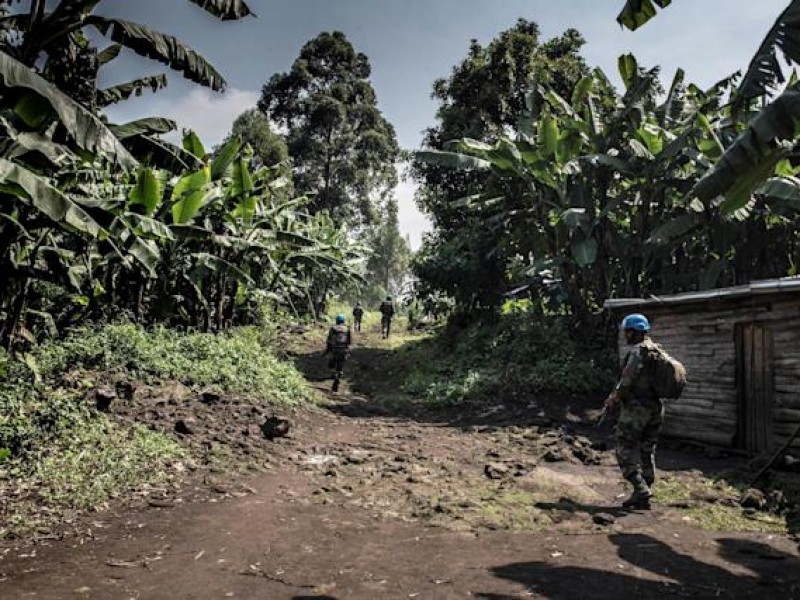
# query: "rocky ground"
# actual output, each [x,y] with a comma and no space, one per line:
[357,500]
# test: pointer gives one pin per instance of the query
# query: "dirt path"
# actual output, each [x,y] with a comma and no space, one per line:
[368,505]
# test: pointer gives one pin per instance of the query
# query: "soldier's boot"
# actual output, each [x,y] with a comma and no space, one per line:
[640,498]
[335,387]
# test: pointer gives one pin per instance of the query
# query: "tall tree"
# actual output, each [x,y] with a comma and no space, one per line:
[252,127]
[390,256]
[344,149]
[485,96]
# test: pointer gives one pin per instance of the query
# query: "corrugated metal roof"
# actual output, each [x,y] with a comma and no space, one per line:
[755,288]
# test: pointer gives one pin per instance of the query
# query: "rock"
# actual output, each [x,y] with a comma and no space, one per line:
[495,470]
[776,501]
[161,503]
[753,499]
[104,396]
[600,446]
[586,455]
[604,519]
[126,390]
[275,427]
[210,397]
[554,455]
[185,426]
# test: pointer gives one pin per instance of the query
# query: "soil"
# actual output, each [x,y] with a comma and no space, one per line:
[361,500]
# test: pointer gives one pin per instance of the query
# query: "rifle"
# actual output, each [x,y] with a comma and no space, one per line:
[604,415]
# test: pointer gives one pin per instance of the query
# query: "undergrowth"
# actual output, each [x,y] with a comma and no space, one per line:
[513,357]
[58,452]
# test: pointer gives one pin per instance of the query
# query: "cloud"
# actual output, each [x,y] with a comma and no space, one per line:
[412,222]
[208,113]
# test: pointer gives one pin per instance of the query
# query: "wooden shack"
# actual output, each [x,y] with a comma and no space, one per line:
[741,348]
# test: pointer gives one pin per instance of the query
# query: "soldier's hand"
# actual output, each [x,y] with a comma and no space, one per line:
[612,400]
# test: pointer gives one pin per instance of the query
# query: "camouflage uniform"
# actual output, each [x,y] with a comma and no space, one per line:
[338,346]
[358,315]
[387,312]
[640,420]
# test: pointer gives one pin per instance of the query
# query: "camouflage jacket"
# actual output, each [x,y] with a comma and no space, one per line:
[635,379]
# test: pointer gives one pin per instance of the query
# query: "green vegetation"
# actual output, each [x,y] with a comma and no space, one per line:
[698,500]
[513,358]
[66,456]
[587,193]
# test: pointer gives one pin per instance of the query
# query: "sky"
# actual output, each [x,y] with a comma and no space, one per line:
[411,43]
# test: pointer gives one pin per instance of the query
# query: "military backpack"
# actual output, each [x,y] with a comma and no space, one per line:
[667,375]
[340,337]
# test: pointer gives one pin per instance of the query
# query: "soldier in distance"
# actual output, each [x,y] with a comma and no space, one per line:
[387,314]
[358,315]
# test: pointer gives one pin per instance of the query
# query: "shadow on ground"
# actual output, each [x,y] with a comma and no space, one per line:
[376,374]
[659,571]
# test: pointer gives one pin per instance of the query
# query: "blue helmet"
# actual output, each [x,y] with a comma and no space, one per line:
[636,322]
[340,319]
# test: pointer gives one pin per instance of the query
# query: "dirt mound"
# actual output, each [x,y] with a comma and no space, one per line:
[214,426]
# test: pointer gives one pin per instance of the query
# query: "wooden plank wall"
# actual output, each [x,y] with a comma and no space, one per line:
[703,338]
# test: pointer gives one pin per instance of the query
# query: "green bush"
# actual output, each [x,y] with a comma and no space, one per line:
[239,361]
[517,355]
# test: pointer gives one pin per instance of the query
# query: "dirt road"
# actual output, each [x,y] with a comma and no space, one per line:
[364,504]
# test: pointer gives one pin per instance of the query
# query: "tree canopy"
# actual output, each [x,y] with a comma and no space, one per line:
[344,150]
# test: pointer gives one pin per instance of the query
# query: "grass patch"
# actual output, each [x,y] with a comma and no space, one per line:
[713,516]
[240,361]
[58,454]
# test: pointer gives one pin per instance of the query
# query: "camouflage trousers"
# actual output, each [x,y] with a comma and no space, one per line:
[337,360]
[637,431]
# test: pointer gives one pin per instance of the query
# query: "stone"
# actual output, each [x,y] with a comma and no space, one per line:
[495,470]
[754,499]
[275,427]
[210,397]
[104,396]
[554,455]
[126,390]
[185,427]
[604,519]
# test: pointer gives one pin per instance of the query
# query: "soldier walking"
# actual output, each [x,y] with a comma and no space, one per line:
[358,314]
[338,347]
[387,313]
[641,413]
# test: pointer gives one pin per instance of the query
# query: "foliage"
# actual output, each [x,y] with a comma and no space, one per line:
[73,63]
[485,95]
[513,358]
[343,148]
[253,128]
[189,238]
[636,13]
[389,255]
[592,194]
